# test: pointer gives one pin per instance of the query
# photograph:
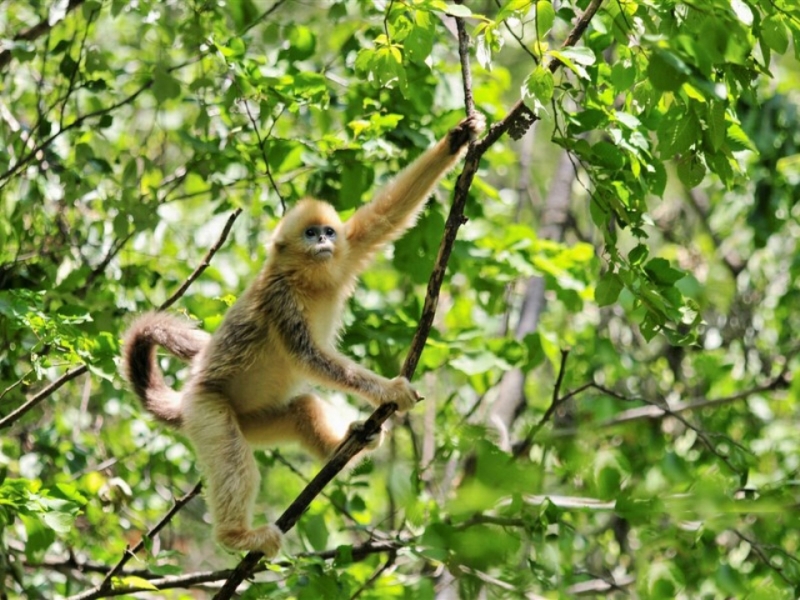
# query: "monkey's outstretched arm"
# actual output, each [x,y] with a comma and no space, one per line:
[327,366]
[395,207]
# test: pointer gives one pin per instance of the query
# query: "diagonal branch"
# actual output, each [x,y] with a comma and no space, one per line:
[108,581]
[13,416]
[358,439]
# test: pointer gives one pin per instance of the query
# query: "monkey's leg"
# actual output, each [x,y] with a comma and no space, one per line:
[231,475]
[303,419]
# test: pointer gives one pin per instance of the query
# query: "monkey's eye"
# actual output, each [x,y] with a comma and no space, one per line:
[330,232]
[310,232]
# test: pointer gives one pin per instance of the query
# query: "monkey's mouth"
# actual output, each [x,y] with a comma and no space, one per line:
[323,253]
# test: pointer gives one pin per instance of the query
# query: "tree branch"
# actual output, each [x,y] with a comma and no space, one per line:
[13,416]
[201,577]
[205,263]
[107,585]
[655,411]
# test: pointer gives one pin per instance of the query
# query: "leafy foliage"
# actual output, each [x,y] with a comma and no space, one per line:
[646,294]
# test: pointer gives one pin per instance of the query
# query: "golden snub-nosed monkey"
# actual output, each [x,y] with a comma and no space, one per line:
[247,385]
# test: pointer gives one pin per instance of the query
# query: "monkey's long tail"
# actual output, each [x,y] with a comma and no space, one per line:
[140,366]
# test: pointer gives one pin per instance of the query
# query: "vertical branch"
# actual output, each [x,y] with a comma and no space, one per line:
[455,219]
[466,72]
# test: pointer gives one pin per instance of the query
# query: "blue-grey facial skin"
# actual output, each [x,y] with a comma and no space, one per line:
[322,239]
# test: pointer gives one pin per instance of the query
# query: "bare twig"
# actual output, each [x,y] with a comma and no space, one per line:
[524,446]
[12,417]
[205,263]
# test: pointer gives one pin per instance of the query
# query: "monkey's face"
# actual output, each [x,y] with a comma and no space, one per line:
[320,241]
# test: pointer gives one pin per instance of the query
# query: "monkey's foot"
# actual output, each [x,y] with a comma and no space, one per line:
[266,539]
[373,440]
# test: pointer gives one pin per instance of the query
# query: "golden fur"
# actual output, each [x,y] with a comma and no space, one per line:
[248,381]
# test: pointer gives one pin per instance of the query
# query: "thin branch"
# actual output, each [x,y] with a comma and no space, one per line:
[261,143]
[202,577]
[388,564]
[655,411]
[108,582]
[455,219]
[113,251]
[205,263]
[262,16]
[466,72]
[759,551]
[14,385]
[12,417]
[556,401]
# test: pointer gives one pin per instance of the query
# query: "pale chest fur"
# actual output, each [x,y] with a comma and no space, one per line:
[324,318]
[274,377]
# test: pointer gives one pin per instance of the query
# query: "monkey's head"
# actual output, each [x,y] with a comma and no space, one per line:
[310,233]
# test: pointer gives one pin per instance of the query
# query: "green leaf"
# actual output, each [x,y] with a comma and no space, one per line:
[40,536]
[666,71]
[132,581]
[662,273]
[316,531]
[59,522]
[540,84]
[513,7]
[691,170]
[608,289]
[302,42]
[677,133]
[715,122]
[419,42]
[773,31]
[638,254]
[574,58]
[579,54]
[243,12]
[545,17]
